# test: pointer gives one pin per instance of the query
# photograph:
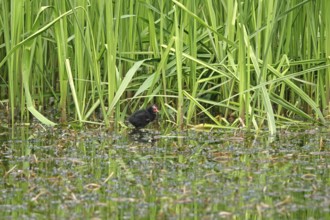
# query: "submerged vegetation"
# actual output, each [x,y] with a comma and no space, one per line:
[96,174]
[247,63]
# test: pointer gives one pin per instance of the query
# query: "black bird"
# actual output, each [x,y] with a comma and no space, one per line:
[143,117]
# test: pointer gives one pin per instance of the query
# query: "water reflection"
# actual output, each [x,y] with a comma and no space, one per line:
[168,175]
[142,136]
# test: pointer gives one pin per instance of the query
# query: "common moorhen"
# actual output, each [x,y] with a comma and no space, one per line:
[143,117]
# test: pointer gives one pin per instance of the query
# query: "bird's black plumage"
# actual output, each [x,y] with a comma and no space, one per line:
[143,117]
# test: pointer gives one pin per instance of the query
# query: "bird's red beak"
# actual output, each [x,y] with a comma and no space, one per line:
[154,108]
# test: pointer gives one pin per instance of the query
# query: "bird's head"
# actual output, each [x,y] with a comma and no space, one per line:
[154,108]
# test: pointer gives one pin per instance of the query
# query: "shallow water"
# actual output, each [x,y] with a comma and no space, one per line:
[62,173]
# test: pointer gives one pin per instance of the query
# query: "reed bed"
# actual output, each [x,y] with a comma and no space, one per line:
[207,64]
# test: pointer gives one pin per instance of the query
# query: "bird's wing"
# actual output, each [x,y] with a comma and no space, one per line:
[141,114]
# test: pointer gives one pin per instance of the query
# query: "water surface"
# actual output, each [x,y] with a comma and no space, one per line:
[62,173]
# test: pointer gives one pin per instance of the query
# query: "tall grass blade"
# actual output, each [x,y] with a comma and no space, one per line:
[73,89]
[124,84]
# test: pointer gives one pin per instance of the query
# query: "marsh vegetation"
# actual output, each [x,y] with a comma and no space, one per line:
[223,64]
[243,91]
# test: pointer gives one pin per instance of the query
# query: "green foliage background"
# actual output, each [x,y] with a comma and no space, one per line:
[257,62]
